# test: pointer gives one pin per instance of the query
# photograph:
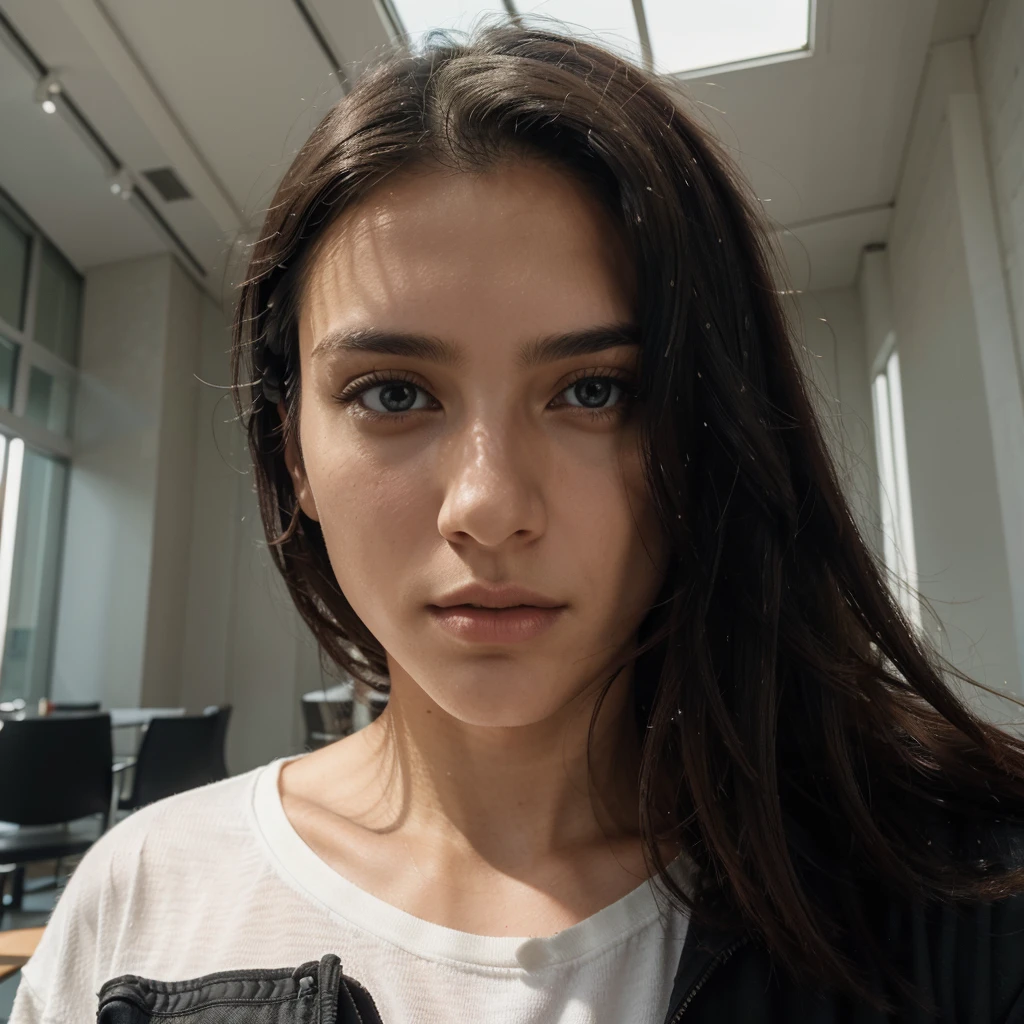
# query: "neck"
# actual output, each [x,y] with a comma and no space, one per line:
[511,795]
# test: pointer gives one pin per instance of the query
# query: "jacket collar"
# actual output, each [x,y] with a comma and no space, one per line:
[702,948]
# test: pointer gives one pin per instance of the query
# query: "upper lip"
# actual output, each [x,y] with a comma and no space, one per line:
[505,595]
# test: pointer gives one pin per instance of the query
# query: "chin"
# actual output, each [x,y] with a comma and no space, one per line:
[486,701]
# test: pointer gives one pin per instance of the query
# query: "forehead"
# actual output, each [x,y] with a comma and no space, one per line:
[521,249]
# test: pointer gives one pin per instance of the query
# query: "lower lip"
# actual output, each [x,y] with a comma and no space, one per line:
[496,625]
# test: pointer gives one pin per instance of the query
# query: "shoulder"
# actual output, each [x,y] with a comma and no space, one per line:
[192,826]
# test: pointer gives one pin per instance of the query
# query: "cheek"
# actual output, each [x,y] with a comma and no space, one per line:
[610,524]
[373,519]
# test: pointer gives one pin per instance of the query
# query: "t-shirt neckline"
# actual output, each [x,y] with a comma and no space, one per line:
[303,868]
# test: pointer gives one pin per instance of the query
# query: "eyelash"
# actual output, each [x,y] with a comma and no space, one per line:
[378,378]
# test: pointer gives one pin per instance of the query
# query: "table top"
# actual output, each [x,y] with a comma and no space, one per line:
[16,946]
[123,717]
[120,718]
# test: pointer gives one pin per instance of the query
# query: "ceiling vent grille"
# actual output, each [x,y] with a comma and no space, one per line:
[168,184]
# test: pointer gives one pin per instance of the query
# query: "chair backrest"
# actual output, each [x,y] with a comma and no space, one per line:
[177,754]
[223,718]
[93,705]
[55,769]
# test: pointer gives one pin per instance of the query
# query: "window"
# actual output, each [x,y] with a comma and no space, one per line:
[58,298]
[14,245]
[31,518]
[894,486]
[40,312]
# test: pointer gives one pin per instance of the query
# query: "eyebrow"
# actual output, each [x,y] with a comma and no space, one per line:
[553,348]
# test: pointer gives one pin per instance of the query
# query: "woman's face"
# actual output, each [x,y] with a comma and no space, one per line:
[492,456]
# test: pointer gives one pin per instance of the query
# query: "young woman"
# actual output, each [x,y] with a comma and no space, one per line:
[531,444]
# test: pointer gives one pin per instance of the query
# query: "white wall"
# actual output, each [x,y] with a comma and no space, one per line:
[245,644]
[964,420]
[103,610]
[999,57]
[830,341]
[172,508]
[168,595]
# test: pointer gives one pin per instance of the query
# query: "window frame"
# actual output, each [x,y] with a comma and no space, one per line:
[13,421]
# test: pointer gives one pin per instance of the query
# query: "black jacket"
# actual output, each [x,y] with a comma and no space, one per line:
[964,961]
[968,960]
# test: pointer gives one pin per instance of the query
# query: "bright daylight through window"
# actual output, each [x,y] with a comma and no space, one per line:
[894,486]
[672,36]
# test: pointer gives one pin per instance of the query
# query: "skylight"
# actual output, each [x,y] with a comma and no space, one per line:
[674,36]
[612,21]
[419,16]
[690,34]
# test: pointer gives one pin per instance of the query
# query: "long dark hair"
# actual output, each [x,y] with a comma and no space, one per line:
[791,717]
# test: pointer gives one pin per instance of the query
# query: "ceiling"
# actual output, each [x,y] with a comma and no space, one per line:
[225,93]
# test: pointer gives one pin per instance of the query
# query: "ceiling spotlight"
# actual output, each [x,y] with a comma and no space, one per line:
[47,91]
[121,184]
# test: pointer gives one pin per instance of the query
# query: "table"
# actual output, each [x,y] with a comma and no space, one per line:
[120,718]
[124,718]
[16,946]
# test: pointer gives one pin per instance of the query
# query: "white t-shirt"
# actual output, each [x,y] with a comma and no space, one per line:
[217,879]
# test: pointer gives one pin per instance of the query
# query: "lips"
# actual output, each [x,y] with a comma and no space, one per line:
[496,596]
[502,626]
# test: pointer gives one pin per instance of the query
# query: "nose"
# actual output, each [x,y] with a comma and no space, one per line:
[493,492]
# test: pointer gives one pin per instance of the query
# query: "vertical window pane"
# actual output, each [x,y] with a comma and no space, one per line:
[49,400]
[31,609]
[58,305]
[14,244]
[8,370]
[894,486]
[886,468]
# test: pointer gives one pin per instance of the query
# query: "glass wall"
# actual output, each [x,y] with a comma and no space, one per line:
[40,314]
[30,534]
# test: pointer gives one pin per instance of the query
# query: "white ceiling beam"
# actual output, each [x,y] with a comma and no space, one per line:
[102,35]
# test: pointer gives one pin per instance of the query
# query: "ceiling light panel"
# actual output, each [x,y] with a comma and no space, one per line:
[612,22]
[690,34]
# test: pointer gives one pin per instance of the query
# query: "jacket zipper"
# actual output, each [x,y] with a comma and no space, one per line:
[720,959]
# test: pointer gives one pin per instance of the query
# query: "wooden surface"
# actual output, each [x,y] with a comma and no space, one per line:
[16,946]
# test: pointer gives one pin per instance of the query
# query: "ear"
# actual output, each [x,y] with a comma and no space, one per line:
[297,471]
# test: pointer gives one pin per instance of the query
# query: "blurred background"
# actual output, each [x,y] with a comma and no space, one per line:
[140,142]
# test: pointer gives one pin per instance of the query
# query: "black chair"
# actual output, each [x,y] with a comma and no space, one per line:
[92,705]
[223,718]
[177,754]
[55,779]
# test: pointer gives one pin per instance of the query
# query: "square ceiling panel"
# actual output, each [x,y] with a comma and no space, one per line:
[687,35]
